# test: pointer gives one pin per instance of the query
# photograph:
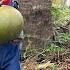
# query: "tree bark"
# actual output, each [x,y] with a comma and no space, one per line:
[37,27]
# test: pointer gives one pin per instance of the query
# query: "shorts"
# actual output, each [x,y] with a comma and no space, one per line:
[9,57]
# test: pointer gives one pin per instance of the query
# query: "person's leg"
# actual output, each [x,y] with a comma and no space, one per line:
[13,65]
[11,58]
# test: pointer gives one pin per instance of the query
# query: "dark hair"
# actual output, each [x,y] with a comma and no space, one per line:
[16,5]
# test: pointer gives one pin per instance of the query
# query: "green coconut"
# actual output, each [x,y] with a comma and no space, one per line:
[11,22]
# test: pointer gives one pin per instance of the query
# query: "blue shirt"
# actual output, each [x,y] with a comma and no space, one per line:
[9,56]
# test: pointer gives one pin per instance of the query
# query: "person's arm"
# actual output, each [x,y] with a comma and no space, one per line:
[5,2]
[1,2]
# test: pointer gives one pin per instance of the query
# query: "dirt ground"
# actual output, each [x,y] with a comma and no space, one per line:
[31,64]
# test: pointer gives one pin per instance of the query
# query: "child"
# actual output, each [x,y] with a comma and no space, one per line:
[9,56]
[13,3]
[9,52]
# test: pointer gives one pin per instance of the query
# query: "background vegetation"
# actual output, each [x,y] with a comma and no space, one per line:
[56,50]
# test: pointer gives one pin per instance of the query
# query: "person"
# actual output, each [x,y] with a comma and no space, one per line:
[15,4]
[9,52]
[12,3]
[9,56]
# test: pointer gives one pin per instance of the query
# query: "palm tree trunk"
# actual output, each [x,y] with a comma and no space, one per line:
[38,26]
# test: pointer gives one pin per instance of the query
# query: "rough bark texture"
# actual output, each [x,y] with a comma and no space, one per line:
[37,27]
